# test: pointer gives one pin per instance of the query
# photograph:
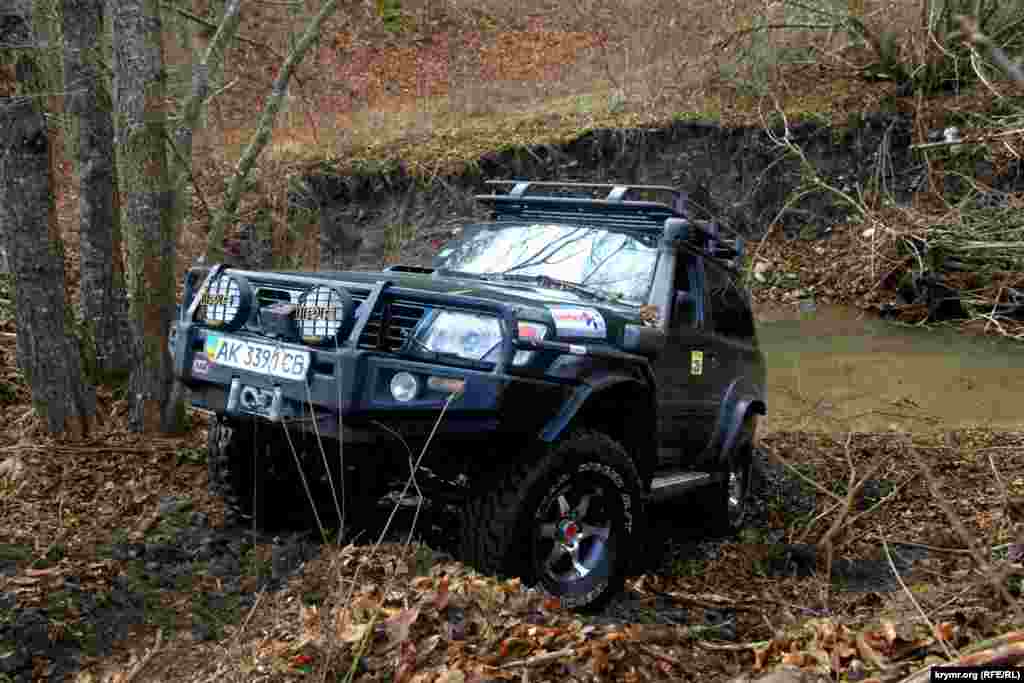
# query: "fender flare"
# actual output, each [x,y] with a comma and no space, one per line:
[740,399]
[557,425]
[639,438]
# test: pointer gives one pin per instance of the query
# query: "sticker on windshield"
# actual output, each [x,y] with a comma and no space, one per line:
[573,321]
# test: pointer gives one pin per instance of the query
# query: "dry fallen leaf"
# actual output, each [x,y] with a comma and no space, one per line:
[399,625]
[406,662]
[945,631]
[442,597]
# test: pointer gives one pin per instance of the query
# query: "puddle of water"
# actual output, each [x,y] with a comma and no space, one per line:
[837,369]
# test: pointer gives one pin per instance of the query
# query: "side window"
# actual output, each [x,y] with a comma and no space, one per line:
[689,295]
[730,303]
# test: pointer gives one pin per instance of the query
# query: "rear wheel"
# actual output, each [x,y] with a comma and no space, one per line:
[729,505]
[566,522]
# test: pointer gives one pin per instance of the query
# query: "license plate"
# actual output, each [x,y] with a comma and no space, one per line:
[266,359]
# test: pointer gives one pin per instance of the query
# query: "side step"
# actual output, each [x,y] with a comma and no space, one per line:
[670,485]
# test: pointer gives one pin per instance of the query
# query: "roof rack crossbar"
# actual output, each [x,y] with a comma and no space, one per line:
[643,222]
[617,192]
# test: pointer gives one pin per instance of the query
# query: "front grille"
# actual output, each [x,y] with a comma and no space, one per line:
[390,325]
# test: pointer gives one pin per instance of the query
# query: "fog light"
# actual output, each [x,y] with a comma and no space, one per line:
[404,387]
[446,384]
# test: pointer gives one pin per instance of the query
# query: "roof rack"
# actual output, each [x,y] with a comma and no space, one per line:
[593,203]
[605,204]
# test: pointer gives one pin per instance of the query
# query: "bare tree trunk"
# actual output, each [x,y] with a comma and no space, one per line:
[264,129]
[104,309]
[148,200]
[47,353]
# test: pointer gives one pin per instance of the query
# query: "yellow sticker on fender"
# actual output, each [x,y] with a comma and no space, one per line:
[696,362]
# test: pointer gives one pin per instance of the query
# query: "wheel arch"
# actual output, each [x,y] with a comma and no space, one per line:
[599,405]
[741,399]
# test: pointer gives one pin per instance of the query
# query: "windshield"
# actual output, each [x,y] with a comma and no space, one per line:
[616,265]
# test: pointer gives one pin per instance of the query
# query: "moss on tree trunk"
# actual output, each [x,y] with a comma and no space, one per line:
[147,196]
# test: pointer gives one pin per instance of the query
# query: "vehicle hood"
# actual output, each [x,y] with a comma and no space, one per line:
[571,316]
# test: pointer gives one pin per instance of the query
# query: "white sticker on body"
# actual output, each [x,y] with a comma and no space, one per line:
[574,321]
[200,366]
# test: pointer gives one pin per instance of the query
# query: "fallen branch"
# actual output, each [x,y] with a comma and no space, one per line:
[142,663]
[541,659]
[935,549]
[1005,651]
[968,141]
[732,647]
[660,655]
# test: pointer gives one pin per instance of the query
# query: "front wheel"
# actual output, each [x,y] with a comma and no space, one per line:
[566,521]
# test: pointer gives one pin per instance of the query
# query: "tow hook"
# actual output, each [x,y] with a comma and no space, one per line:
[244,398]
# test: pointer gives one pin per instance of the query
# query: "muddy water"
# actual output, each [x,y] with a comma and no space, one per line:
[838,369]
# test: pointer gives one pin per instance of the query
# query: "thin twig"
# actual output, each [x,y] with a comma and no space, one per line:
[660,655]
[211,25]
[970,140]
[913,600]
[541,659]
[934,549]
[248,617]
[983,564]
[806,479]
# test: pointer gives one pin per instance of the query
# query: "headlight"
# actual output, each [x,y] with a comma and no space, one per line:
[472,336]
[324,314]
[466,335]
[227,302]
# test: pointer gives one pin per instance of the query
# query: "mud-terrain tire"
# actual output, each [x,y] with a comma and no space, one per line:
[229,460]
[580,506]
[728,506]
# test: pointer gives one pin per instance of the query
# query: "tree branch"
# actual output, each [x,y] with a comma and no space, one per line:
[264,130]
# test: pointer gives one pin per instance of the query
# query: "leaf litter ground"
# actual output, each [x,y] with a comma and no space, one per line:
[72,514]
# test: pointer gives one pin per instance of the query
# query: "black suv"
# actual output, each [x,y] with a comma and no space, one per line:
[586,352]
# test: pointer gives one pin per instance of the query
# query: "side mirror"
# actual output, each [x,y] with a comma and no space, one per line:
[675,230]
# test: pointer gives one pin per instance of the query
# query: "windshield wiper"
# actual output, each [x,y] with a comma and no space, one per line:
[543,280]
[553,283]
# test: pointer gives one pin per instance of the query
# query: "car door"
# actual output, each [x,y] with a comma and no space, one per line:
[686,408]
[732,346]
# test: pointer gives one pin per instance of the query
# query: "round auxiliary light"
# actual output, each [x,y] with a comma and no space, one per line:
[324,314]
[404,387]
[227,302]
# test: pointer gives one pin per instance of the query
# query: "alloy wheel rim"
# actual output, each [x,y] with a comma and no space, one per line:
[574,537]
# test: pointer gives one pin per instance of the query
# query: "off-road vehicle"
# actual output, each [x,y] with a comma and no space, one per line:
[586,352]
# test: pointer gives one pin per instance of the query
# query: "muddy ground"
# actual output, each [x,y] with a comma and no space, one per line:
[102,546]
